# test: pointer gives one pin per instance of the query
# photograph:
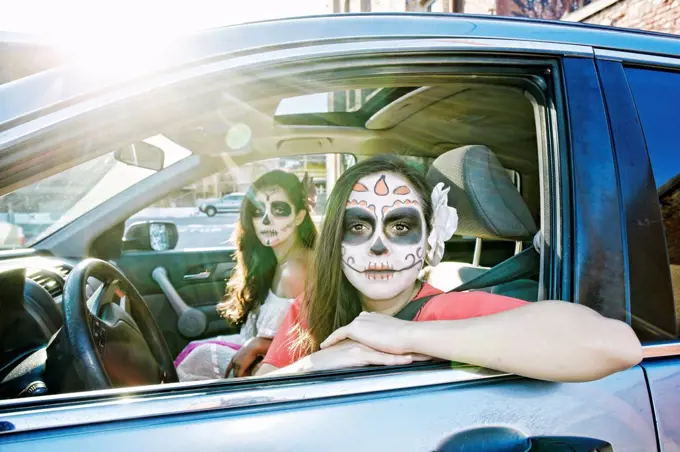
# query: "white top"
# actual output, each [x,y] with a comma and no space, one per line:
[266,320]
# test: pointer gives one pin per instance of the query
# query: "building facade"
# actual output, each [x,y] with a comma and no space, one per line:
[543,9]
[435,6]
[653,15]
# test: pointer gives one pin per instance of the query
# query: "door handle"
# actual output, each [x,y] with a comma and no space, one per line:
[504,439]
[198,276]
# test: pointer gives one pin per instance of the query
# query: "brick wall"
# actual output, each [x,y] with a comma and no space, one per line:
[540,9]
[653,15]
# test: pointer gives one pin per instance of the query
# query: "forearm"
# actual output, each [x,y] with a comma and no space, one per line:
[302,365]
[554,341]
[305,364]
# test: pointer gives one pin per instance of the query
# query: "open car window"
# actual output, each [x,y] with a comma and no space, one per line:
[435,124]
[39,209]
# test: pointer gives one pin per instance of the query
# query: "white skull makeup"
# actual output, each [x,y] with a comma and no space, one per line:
[383,245]
[273,216]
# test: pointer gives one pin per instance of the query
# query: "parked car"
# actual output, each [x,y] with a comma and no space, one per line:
[229,203]
[585,116]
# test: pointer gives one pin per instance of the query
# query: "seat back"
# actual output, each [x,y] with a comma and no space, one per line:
[489,206]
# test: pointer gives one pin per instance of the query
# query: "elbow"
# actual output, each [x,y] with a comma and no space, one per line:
[626,350]
[607,346]
[619,349]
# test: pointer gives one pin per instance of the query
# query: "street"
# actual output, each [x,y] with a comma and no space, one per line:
[196,230]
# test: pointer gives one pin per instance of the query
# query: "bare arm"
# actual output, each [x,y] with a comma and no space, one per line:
[548,340]
[293,277]
[344,354]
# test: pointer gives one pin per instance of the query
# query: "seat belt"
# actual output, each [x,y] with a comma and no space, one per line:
[522,265]
[410,311]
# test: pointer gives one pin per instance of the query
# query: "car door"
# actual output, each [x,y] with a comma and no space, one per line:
[427,406]
[645,103]
[197,277]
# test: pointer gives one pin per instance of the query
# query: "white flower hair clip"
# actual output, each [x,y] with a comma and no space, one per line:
[444,223]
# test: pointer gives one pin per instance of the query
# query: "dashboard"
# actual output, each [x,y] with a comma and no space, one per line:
[31,293]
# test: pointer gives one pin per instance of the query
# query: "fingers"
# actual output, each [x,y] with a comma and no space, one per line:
[230,366]
[244,365]
[336,336]
[236,365]
[417,357]
[241,363]
[387,359]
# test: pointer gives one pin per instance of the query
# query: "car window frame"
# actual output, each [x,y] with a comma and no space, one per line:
[648,271]
[552,167]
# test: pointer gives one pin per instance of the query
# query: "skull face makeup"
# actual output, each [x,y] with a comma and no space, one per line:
[384,236]
[274,218]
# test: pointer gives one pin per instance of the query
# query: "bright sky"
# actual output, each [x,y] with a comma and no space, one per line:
[122,16]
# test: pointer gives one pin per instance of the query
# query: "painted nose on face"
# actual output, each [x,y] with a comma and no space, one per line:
[378,248]
[265,220]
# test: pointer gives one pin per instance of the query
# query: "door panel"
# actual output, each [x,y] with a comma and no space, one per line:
[138,267]
[615,409]
[199,276]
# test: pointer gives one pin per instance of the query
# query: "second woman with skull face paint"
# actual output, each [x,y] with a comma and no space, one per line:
[273,239]
[372,248]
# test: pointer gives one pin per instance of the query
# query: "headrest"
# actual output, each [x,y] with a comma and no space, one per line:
[488,203]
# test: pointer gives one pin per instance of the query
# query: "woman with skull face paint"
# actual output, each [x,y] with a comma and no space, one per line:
[274,238]
[376,240]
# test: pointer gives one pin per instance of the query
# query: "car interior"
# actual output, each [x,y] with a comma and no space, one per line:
[71,313]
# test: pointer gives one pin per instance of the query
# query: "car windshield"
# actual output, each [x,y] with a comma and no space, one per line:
[35,211]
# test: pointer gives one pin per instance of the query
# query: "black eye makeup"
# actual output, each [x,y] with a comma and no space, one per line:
[358,225]
[281,209]
[257,210]
[401,228]
[403,225]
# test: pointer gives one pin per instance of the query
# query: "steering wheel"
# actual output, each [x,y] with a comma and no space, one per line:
[114,339]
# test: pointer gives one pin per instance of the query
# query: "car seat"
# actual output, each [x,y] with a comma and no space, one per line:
[489,207]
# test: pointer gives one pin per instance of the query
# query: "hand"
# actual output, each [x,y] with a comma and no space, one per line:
[348,353]
[243,360]
[377,331]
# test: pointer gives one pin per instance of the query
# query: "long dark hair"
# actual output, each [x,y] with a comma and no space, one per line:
[330,300]
[255,263]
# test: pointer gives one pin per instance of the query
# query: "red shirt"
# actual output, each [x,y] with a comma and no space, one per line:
[448,306]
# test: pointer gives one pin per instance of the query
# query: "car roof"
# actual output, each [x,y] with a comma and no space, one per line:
[219,42]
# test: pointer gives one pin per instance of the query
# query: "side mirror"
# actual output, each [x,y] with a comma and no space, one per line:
[142,155]
[150,236]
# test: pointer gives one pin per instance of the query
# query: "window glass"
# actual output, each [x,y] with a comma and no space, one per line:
[658,102]
[206,212]
[37,210]
[318,144]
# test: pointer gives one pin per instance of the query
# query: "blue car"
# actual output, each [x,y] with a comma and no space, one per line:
[576,124]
